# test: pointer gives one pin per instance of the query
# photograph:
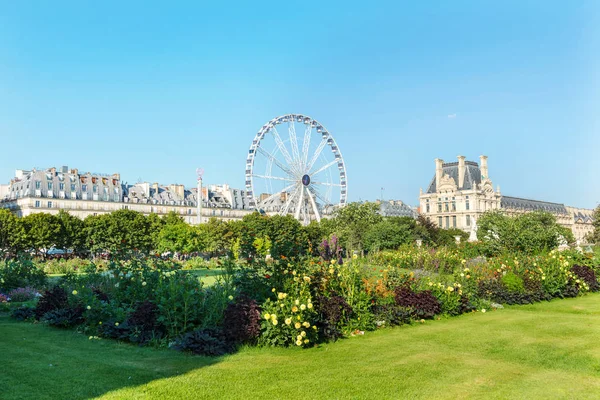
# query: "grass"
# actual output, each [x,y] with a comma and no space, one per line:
[547,350]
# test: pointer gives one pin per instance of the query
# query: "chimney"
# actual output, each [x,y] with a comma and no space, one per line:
[461,171]
[483,166]
[438,172]
[155,187]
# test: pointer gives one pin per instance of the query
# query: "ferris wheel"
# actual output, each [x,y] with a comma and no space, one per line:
[291,173]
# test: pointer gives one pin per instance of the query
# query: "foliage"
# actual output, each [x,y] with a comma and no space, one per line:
[23,313]
[422,305]
[241,321]
[52,299]
[205,341]
[528,233]
[19,273]
[389,234]
[64,317]
[586,274]
[21,295]
[333,314]
[352,223]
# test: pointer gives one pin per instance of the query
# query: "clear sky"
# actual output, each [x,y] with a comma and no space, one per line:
[155,90]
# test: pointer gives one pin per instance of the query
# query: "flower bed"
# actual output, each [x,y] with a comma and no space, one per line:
[300,303]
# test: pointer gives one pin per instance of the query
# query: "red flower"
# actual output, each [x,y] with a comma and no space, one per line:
[267,276]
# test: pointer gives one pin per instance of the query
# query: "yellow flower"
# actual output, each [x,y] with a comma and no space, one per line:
[332,262]
[297,302]
[315,327]
[483,310]
[267,316]
[294,309]
[143,283]
[450,289]
[275,322]
[307,279]
[230,297]
[303,307]
[293,272]
[298,342]
[354,256]
[74,292]
[273,290]
[280,296]
[288,321]
[273,316]
[309,305]
[306,324]
[100,323]
[303,333]
[89,308]
[331,271]
[297,325]
[116,324]
[306,341]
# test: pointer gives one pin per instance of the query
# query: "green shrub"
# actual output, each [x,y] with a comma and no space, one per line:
[21,273]
[512,282]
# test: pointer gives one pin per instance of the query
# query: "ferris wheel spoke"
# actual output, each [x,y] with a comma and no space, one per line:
[279,178]
[316,155]
[286,207]
[282,148]
[314,206]
[326,183]
[294,140]
[300,202]
[316,193]
[324,167]
[274,195]
[274,160]
[306,143]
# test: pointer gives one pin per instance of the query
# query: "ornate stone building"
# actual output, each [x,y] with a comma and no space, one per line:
[461,191]
[84,194]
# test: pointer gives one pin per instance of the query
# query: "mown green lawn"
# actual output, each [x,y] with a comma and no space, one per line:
[548,350]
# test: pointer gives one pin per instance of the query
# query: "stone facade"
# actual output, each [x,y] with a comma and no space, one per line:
[84,194]
[396,208]
[461,191]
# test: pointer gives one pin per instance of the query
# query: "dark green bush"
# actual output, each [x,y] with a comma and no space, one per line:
[206,342]
[21,273]
[23,313]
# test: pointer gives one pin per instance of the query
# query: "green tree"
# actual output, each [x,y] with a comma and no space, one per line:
[178,238]
[12,232]
[530,233]
[72,235]
[43,231]
[353,221]
[119,231]
[390,233]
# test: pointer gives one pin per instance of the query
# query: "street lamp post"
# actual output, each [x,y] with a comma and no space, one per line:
[199,173]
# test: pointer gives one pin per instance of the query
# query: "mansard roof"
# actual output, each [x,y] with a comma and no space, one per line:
[532,205]
[396,209]
[472,175]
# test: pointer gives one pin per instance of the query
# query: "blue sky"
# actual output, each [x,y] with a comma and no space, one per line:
[154,90]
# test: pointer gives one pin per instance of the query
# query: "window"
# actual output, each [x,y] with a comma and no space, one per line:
[72,187]
[467,205]
[38,184]
[49,185]
[439,207]
[61,186]
[453,204]
[105,190]
[447,222]
[95,188]
[446,207]
[468,220]
[440,222]
[84,188]
[454,221]
[49,204]
[427,207]
[37,204]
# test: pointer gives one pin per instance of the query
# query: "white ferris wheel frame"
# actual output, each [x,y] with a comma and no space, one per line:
[302,194]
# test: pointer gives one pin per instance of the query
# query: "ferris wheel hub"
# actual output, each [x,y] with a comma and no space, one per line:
[306,180]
